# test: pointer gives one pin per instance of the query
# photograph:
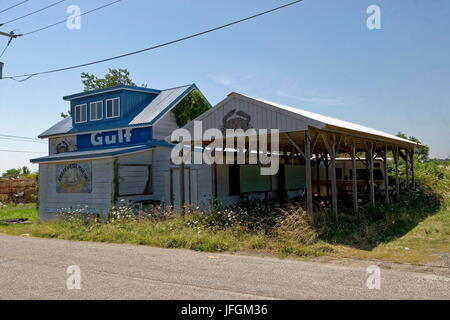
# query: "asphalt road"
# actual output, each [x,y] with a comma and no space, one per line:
[32,268]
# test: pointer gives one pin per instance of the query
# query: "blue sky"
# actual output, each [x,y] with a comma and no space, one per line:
[318,55]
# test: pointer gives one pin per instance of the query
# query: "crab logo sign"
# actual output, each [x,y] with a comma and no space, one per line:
[236,120]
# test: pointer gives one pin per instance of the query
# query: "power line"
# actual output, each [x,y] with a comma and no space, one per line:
[63,21]
[13,6]
[21,140]
[21,151]
[5,136]
[33,12]
[28,76]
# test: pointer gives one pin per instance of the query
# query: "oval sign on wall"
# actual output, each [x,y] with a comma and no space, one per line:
[74,178]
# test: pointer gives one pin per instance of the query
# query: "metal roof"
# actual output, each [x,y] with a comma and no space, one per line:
[92,154]
[144,115]
[322,122]
[164,101]
[110,89]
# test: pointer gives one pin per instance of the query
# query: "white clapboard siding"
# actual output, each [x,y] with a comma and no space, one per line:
[144,158]
[165,126]
[262,116]
[160,167]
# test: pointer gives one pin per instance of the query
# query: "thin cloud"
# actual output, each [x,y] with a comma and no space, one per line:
[236,82]
[315,100]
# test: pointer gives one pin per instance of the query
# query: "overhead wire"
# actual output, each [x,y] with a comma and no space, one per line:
[28,76]
[65,20]
[33,12]
[13,6]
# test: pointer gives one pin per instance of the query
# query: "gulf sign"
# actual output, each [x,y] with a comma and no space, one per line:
[115,138]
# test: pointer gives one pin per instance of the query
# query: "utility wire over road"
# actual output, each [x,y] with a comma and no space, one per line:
[20,138]
[29,75]
[65,20]
[13,6]
[22,151]
[33,12]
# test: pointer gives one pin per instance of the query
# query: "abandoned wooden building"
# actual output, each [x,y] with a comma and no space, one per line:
[116,147]
[303,135]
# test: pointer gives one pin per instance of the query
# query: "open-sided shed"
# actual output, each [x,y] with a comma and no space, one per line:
[304,134]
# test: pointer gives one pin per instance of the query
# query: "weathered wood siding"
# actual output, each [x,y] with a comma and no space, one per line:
[97,202]
[165,126]
[262,117]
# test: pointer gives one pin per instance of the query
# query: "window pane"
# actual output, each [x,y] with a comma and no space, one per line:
[83,113]
[116,107]
[109,108]
[100,110]
[93,111]
[77,114]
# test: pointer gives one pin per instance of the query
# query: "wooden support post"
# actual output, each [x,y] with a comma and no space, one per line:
[386,176]
[369,156]
[182,200]
[327,174]
[332,150]
[318,161]
[309,191]
[397,174]
[413,179]
[354,182]
[407,170]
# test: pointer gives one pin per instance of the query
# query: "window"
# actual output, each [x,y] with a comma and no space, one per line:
[113,108]
[81,113]
[339,173]
[378,175]
[234,179]
[362,174]
[96,110]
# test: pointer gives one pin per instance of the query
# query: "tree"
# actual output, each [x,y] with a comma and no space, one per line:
[423,152]
[11,173]
[193,105]
[25,171]
[114,77]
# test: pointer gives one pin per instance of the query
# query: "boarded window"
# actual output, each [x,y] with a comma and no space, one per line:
[294,177]
[135,180]
[251,179]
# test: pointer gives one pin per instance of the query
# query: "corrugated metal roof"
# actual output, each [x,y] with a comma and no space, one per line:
[147,115]
[92,154]
[110,89]
[163,102]
[324,120]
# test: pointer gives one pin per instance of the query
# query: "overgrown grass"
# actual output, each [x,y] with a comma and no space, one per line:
[414,230]
[171,232]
